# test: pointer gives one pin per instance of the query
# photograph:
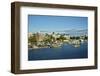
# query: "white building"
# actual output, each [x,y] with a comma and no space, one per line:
[30,34]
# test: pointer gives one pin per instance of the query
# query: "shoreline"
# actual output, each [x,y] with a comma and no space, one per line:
[57,46]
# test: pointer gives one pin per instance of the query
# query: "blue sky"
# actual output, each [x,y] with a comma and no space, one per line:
[38,23]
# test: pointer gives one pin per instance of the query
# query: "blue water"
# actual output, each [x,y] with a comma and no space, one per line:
[65,52]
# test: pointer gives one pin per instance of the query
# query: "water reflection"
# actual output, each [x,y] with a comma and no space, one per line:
[66,51]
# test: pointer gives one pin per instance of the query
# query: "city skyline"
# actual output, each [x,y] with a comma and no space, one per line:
[57,37]
[43,23]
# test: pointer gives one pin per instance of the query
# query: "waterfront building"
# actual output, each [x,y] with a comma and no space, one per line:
[67,36]
[56,35]
[39,37]
[30,34]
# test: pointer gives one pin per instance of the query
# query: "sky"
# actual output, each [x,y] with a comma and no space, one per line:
[38,23]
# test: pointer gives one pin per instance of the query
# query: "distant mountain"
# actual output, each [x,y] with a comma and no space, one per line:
[75,32]
[72,32]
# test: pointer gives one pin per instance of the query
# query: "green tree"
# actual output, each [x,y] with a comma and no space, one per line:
[32,40]
[86,37]
[62,38]
[77,37]
[48,39]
